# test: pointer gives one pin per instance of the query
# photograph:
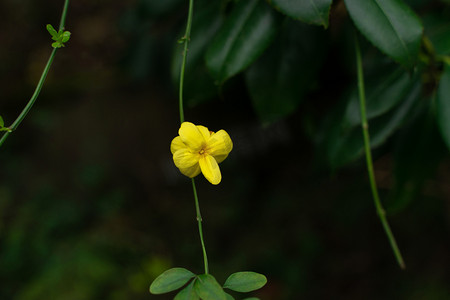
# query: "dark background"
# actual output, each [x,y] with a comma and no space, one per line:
[91,206]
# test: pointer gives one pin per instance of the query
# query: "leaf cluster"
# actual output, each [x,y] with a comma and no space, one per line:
[60,37]
[205,286]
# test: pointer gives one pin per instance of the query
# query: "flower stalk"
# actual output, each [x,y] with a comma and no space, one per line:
[373,185]
[185,40]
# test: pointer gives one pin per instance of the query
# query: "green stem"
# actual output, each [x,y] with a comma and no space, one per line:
[35,95]
[200,229]
[365,129]
[186,39]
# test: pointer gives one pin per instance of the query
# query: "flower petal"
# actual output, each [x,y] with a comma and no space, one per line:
[191,136]
[183,158]
[220,145]
[210,169]
[191,172]
[204,131]
[177,144]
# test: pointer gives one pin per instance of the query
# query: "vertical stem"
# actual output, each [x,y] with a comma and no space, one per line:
[200,230]
[186,39]
[35,95]
[365,129]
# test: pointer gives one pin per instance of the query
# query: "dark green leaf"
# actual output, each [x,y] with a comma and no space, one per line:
[245,281]
[344,140]
[188,293]
[207,288]
[309,11]
[2,123]
[437,29]
[279,80]
[170,280]
[443,105]
[242,39]
[390,25]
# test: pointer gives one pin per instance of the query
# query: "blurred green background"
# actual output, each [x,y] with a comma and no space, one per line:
[91,206]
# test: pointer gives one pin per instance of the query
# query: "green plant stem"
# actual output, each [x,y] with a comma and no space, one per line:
[35,95]
[185,39]
[200,229]
[365,129]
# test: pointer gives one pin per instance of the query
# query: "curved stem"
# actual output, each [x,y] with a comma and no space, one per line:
[200,230]
[185,39]
[35,95]
[373,185]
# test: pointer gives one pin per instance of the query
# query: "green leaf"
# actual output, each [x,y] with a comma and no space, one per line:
[443,105]
[279,80]
[390,25]
[52,31]
[437,29]
[188,293]
[170,280]
[244,36]
[229,297]
[343,139]
[207,288]
[309,11]
[65,36]
[245,281]
[2,123]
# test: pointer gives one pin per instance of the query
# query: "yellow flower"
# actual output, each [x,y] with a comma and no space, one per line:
[197,149]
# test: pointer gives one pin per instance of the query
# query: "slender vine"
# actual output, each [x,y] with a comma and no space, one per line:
[59,40]
[373,185]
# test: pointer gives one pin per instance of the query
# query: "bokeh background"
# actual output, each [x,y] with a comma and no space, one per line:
[91,206]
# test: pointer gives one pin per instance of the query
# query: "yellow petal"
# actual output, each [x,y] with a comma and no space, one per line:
[191,136]
[191,172]
[177,144]
[219,145]
[210,169]
[204,131]
[183,158]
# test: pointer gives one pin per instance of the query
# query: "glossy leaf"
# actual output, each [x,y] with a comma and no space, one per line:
[170,280]
[437,29]
[245,281]
[279,80]
[188,293]
[207,288]
[244,36]
[443,105]
[309,11]
[344,139]
[390,25]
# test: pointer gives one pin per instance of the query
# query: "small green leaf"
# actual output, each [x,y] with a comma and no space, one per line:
[52,31]
[245,281]
[244,36]
[57,45]
[443,105]
[65,36]
[170,280]
[2,123]
[390,25]
[207,288]
[188,293]
[313,12]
